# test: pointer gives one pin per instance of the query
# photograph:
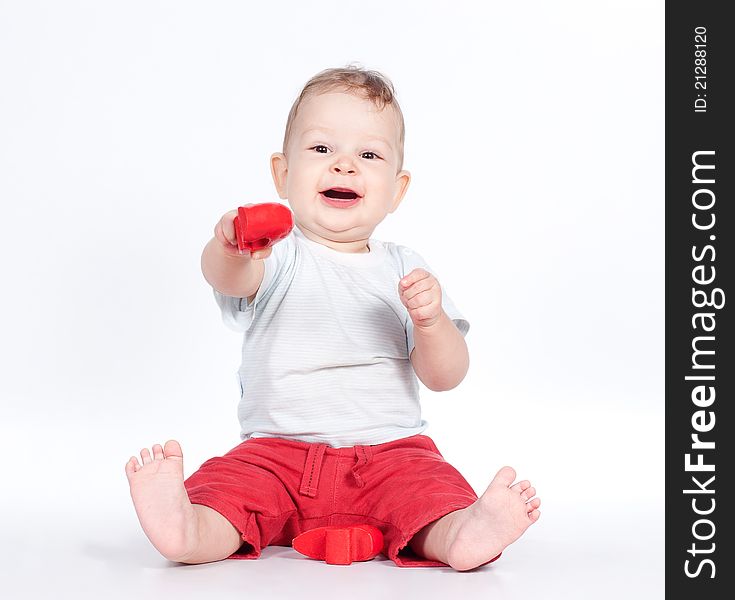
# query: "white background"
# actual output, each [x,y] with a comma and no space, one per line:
[534,134]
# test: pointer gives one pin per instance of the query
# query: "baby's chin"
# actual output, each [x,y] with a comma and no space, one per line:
[341,233]
[334,231]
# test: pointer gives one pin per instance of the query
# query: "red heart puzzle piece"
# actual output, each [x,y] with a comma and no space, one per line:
[340,545]
[262,225]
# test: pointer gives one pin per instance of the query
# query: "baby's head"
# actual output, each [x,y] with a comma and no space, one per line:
[368,85]
[340,167]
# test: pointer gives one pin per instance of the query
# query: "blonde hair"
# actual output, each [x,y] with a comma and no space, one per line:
[353,79]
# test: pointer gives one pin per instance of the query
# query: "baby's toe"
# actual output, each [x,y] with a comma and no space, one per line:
[504,477]
[157,452]
[534,515]
[529,493]
[172,449]
[521,486]
[145,456]
[532,505]
[131,466]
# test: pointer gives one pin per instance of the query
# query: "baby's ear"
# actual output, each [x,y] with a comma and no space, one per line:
[403,178]
[279,170]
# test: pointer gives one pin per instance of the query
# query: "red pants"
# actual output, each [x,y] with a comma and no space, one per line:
[273,489]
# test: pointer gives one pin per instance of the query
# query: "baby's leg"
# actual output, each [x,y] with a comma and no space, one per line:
[181,531]
[472,536]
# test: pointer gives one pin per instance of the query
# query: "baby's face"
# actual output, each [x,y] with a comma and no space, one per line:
[340,169]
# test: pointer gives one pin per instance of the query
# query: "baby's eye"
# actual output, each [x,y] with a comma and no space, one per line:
[371,156]
[321,148]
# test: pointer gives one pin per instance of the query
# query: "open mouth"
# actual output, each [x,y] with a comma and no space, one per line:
[345,194]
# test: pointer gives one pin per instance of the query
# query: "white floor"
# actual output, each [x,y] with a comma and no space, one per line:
[68,528]
[573,552]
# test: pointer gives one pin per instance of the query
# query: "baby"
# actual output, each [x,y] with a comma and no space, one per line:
[337,327]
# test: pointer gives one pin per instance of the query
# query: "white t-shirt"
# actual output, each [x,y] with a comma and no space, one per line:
[325,355]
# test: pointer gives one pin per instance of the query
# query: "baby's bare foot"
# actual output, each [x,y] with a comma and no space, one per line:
[161,502]
[498,518]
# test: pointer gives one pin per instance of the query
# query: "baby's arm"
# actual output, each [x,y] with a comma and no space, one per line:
[440,357]
[225,269]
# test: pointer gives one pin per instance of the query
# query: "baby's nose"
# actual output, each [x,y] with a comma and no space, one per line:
[344,166]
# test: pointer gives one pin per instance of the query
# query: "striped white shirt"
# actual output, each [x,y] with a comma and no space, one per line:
[325,355]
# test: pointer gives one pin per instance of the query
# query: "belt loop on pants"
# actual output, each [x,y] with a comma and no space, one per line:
[312,470]
[364,454]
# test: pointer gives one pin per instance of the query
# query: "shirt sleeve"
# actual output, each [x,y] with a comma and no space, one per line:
[411,260]
[238,313]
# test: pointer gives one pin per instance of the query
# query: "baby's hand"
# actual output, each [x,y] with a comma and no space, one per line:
[224,231]
[421,294]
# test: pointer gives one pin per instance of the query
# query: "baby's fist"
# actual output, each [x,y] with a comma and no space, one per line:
[224,231]
[421,294]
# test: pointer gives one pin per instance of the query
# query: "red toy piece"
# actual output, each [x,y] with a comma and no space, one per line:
[340,545]
[261,225]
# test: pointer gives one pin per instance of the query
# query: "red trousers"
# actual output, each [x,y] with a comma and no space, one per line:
[273,489]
